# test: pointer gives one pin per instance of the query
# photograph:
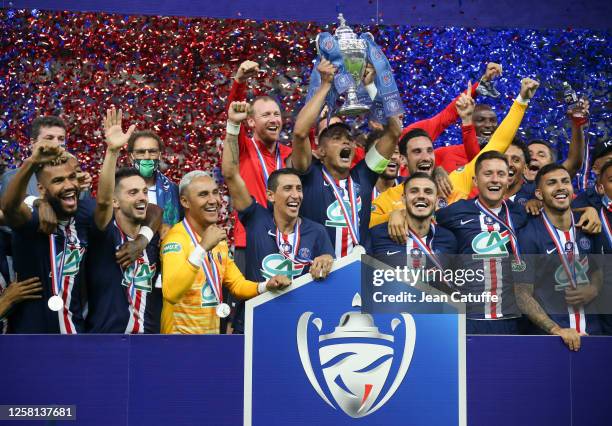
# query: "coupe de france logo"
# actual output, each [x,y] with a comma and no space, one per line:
[352,368]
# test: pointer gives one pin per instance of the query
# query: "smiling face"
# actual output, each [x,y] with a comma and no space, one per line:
[131,198]
[492,180]
[516,161]
[202,200]
[605,183]
[420,197]
[555,190]
[287,196]
[59,186]
[485,123]
[420,155]
[265,120]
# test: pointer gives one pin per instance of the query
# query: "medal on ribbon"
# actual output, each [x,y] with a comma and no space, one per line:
[211,271]
[351,218]
[518,265]
[262,162]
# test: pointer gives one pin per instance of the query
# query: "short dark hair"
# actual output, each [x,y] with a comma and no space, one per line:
[372,137]
[523,147]
[419,175]
[414,133]
[553,152]
[605,167]
[59,161]
[274,176]
[144,134]
[124,173]
[45,121]
[551,167]
[336,129]
[489,155]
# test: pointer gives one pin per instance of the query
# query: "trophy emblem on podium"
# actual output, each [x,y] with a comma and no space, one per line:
[356,362]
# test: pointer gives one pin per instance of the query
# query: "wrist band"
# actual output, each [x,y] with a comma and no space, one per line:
[372,90]
[522,100]
[146,232]
[376,162]
[232,129]
[195,257]
[261,287]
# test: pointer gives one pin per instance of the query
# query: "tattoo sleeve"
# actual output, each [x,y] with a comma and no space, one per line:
[530,307]
[231,141]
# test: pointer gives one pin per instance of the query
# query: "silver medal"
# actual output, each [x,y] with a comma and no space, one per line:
[55,303]
[222,310]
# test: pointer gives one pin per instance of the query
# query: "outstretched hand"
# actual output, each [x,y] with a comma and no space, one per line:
[115,138]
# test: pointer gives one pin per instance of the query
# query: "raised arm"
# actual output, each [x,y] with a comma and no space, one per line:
[16,212]
[241,199]
[465,108]
[575,154]
[115,140]
[301,155]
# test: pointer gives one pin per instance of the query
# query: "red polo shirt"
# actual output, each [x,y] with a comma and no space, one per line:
[250,164]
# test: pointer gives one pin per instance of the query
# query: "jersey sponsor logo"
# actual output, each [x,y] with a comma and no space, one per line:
[141,274]
[335,218]
[72,260]
[276,264]
[487,245]
[581,268]
[209,300]
[171,248]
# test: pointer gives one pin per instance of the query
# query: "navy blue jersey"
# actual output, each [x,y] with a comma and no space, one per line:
[321,206]
[31,257]
[545,271]
[121,301]
[264,259]
[486,248]
[587,198]
[526,193]
[440,240]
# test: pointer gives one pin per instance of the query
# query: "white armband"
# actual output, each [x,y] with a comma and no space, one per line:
[376,162]
[372,90]
[232,129]
[522,100]
[196,256]
[146,232]
[262,287]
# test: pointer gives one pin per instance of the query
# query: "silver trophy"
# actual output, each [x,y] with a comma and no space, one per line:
[354,53]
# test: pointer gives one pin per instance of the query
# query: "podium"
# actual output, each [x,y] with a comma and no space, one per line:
[313,357]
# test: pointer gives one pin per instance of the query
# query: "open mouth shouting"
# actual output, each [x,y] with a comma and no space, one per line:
[561,195]
[141,207]
[273,129]
[293,206]
[425,166]
[69,199]
[345,155]
[495,189]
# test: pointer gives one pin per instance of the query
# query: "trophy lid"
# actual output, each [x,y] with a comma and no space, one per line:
[344,31]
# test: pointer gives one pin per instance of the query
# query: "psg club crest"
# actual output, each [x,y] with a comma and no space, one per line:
[355,367]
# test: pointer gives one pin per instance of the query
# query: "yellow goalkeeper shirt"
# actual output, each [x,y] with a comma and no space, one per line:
[189,301]
[461,178]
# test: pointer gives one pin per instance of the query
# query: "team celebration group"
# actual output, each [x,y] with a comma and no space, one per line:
[145,255]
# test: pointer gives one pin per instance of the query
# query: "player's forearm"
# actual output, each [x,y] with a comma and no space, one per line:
[575,154]
[530,307]
[230,169]
[12,201]
[310,113]
[106,184]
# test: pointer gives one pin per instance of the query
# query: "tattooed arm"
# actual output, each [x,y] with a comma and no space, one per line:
[241,199]
[530,307]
